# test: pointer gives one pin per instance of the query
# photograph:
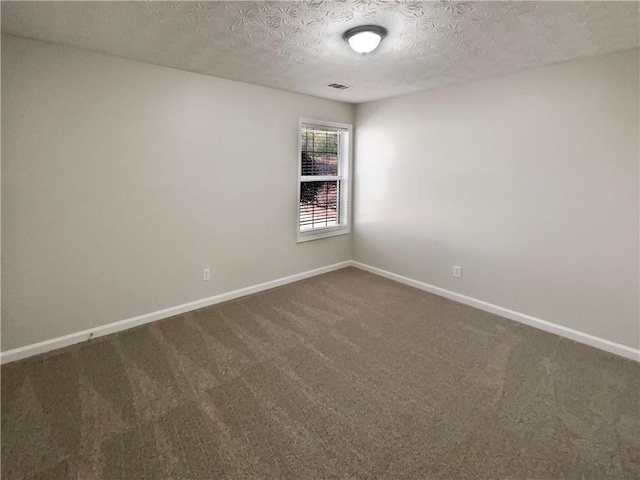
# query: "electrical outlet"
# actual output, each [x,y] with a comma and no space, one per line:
[457,271]
[206,274]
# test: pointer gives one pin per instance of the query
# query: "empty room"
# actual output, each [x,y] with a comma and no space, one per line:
[320,240]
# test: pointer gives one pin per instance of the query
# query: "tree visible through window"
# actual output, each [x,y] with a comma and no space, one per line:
[323,179]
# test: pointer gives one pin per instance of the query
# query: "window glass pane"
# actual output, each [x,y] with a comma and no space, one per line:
[319,205]
[319,154]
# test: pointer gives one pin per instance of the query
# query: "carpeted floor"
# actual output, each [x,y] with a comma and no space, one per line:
[346,375]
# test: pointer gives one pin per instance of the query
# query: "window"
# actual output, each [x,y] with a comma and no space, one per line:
[323,166]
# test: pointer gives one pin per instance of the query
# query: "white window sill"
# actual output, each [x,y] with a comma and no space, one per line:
[318,233]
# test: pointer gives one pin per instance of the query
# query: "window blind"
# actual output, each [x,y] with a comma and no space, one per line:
[320,183]
[319,204]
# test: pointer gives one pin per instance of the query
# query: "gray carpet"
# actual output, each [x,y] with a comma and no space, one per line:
[346,375]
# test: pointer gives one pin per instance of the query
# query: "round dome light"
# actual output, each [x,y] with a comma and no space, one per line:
[366,38]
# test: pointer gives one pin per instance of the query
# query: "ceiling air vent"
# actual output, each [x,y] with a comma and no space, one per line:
[337,86]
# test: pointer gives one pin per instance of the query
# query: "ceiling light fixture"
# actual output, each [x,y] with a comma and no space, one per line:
[366,38]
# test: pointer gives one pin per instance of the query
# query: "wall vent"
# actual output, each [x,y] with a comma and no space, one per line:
[337,86]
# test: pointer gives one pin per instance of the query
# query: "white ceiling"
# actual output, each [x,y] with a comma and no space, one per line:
[298,46]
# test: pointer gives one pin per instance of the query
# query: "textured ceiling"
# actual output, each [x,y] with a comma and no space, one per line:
[298,46]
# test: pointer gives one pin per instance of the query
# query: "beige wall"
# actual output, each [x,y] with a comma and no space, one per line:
[529,181]
[121,181]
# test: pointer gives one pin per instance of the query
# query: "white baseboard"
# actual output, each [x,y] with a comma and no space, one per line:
[581,337]
[77,337]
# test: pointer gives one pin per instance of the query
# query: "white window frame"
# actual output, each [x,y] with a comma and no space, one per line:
[344,175]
